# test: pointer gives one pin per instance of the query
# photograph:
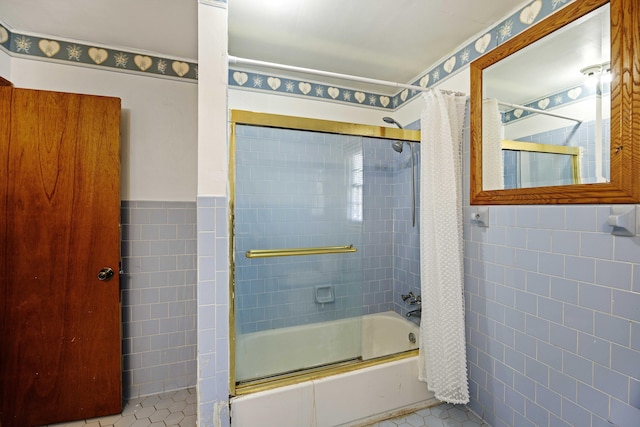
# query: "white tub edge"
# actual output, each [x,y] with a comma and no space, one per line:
[351,399]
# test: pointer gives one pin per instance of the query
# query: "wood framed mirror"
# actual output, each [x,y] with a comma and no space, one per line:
[617,164]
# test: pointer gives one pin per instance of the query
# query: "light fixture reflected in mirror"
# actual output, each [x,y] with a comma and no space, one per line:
[597,73]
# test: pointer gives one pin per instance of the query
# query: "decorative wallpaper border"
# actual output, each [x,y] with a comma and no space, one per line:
[532,13]
[308,88]
[44,48]
[556,100]
[76,53]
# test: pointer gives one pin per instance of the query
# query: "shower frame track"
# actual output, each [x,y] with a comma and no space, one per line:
[240,117]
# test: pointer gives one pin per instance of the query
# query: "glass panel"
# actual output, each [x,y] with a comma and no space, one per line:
[524,169]
[297,189]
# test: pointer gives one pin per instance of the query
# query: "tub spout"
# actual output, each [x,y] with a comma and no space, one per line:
[415,313]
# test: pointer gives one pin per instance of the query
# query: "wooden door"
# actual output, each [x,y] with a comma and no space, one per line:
[60,345]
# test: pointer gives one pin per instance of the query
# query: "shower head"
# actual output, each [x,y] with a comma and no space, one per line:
[397,146]
[391,121]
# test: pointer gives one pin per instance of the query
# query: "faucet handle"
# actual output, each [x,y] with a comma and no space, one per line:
[411,298]
[407,297]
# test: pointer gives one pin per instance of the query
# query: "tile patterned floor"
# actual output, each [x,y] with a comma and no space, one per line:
[444,415]
[168,409]
[179,409]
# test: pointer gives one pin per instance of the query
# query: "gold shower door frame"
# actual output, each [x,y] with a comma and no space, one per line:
[241,117]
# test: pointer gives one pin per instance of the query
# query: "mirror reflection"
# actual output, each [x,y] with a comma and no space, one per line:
[553,93]
[530,164]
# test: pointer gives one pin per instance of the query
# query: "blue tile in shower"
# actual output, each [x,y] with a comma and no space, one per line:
[514,318]
[551,264]
[536,371]
[627,249]
[206,268]
[550,355]
[625,304]
[580,268]
[564,337]
[575,415]
[635,335]
[596,245]
[514,401]
[596,421]
[497,235]
[526,260]
[537,327]
[524,385]
[578,367]
[634,393]
[625,360]
[565,242]
[613,274]
[538,239]
[563,384]
[515,278]
[595,297]
[526,302]
[612,328]
[505,295]
[514,359]
[536,413]
[503,373]
[551,310]
[495,273]
[527,216]
[623,414]
[594,349]
[206,219]
[581,218]
[551,217]
[564,290]
[525,344]
[538,283]
[578,318]
[611,382]
[486,398]
[478,340]
[504,215]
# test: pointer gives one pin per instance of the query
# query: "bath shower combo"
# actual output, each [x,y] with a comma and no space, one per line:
[315,324]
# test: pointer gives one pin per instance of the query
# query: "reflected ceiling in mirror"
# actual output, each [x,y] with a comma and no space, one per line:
[543,82]
[551,85]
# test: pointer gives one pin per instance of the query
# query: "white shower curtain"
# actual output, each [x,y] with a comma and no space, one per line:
[492,131]
[442,357]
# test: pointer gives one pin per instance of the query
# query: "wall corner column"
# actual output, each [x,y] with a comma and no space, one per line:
[212,202]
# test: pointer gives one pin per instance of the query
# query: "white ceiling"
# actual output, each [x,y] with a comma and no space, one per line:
[553,63]
[389,40]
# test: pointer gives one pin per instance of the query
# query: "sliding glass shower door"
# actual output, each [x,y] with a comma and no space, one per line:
[297,228]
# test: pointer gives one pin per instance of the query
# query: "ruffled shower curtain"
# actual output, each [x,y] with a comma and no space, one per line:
[492,131]
[442,356]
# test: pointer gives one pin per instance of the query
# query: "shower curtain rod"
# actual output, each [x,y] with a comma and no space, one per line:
[245,61]
[536,110]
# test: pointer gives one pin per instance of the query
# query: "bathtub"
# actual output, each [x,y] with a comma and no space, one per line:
[352,398]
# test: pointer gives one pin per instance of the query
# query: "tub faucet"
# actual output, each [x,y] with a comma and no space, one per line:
[411,299]
[415,313]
